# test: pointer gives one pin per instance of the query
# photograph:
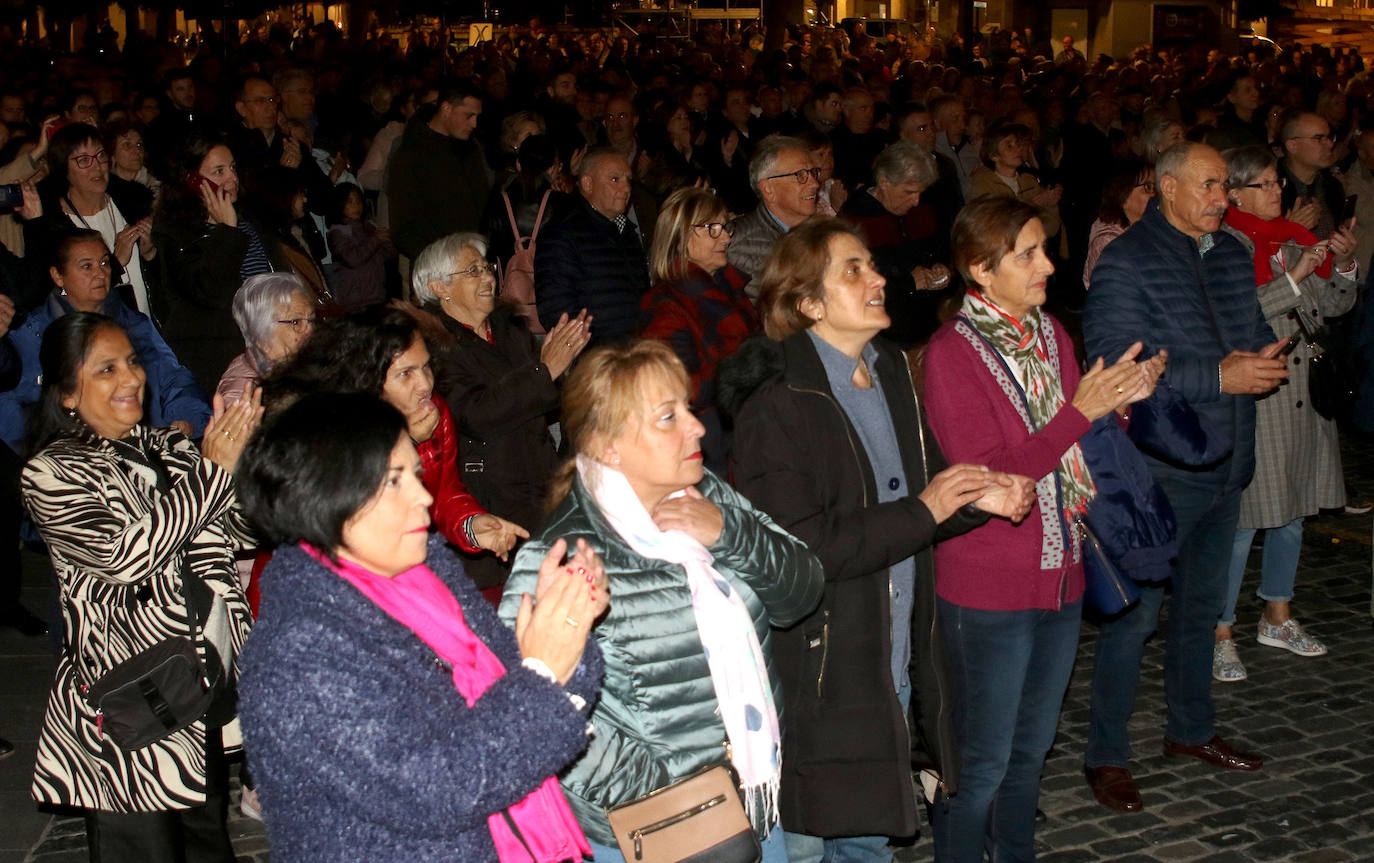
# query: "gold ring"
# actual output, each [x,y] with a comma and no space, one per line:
[570,622]
[226,433]
[1119,390]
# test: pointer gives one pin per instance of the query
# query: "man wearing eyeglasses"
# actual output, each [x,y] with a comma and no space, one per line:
[1312,196]
[787,183]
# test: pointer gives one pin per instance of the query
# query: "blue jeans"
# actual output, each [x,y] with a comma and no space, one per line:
[774,850]
[1206,517]
[1278,567]
[1009,670]
[803,848]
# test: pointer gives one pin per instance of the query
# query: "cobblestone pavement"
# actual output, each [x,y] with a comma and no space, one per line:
[1312,718]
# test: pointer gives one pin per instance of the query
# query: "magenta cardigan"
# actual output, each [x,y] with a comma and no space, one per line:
[1002,566]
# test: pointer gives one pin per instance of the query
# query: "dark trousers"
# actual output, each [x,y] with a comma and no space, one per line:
[1010,670]
[196,835]
[1206,516]
[11,512]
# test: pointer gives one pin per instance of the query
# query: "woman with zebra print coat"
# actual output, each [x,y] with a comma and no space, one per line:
[120,506]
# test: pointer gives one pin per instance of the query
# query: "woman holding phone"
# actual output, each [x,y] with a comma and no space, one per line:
[1300,282]
[209,249]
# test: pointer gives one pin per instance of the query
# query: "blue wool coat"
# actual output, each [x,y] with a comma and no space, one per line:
[362,747]
[1153,285]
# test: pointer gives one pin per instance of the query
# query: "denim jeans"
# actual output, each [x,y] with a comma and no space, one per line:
[774,850]
[1009,670]
[802,848]
[1278,566]
[1206,516]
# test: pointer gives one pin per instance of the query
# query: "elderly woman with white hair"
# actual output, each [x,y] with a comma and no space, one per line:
[501,384]
[887,215]
[276,313]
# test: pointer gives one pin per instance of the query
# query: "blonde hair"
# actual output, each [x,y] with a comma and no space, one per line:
[684,208]
[603,393]
[795,271]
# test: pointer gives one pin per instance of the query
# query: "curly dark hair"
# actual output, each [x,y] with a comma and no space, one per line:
[348,354]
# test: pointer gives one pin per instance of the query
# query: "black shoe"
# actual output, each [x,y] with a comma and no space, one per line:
[25,621]
[6,748]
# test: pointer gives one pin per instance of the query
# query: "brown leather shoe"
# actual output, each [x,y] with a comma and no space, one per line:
[1216,752]
[1114,788]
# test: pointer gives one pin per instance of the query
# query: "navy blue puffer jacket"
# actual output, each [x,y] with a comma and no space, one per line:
[1152,284]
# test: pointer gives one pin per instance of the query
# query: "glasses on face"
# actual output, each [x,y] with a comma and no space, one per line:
[801,175]
[622,115]
[1325,137]
[1267,185]
[270,100]
[714,229]
[475,271]
[1148,186]
[298,325]
[85,160]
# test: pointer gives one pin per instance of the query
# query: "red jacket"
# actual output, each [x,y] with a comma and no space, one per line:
[443,478]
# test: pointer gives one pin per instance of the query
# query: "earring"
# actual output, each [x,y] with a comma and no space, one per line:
[62,292]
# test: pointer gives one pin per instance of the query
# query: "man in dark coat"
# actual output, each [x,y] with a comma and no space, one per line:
[1177,282]
[593,259]
[1312,196]
[439,179]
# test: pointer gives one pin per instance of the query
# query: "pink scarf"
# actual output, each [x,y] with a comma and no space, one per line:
[419,601]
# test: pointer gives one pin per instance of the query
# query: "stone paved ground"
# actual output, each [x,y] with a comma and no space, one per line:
[1311,718]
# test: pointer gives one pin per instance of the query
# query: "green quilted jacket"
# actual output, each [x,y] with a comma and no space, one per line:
[656,719]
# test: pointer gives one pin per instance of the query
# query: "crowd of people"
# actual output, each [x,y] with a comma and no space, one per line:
[681,403]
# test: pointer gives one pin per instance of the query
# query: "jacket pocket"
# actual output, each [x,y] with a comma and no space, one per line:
[818,652]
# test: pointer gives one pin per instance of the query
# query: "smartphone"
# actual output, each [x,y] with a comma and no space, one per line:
[11,197]
[1288,346]
[194,182]
[1348,209]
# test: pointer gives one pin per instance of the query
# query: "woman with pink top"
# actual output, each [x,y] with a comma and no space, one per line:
[1003,389]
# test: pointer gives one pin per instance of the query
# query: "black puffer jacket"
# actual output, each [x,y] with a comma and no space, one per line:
[846,755]
[583,262]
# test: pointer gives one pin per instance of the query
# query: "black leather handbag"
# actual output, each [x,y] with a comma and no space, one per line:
[1330,386]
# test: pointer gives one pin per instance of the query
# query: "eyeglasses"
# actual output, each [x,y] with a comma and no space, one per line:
[271,100]
[85,160]
[714,229]
[1148,186]
[1267,185]
[299,325]
[1325,137]
[801,175]
[623,115]
[475,271]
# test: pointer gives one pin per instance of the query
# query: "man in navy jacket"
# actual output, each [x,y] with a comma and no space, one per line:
[1176,281]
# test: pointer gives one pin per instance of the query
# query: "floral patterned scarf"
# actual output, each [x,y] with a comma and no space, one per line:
[1020,341]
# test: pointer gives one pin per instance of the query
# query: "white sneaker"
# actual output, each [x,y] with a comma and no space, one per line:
[249,804]
[1226,664]
[1290,636]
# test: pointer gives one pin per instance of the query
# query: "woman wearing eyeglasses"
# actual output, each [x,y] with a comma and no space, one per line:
[1125,195]
[697,303]
[499,382]
[1297,454]
[78,196]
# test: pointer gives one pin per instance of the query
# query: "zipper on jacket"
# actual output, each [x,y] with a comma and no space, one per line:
[853,448]
[825,651]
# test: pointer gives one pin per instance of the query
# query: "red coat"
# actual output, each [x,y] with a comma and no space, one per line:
[443,478]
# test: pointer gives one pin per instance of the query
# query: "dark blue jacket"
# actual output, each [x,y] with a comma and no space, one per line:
[1152,285]
[362,747]
[584,262]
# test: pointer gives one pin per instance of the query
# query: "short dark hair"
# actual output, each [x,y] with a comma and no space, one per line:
[176,75]
[454,90]
[61,146]
[66,239]
[986,229]
[66,342]
[310,468]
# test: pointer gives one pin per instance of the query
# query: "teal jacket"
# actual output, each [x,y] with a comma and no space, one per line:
[655,721]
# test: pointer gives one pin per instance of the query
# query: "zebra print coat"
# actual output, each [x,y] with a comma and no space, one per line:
[116,547]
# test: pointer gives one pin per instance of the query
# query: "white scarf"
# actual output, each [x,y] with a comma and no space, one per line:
[738,671]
